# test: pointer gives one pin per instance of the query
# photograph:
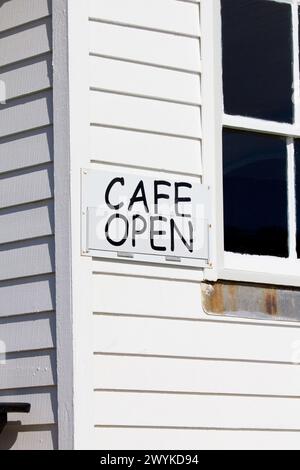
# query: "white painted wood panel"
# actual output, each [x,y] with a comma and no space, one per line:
[31,148]
[31,77]
[164,15]
[32,221]
[195,376]
[43,405]
[174,439]
[194,339]
[34,332]
[146,409]
[149,47]
[144,150]
[36,370]
[145,114]
[25,43]
[26,113]
[34,438]
[147,271]
[167,299]
[27,259]
[26,186]
[27,296]
[18,12]
[144,80]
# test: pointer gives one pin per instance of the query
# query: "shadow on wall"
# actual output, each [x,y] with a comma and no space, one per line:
[10,433]
[14,434]
[49,2]
[49,34]
[17,435]
[5,1]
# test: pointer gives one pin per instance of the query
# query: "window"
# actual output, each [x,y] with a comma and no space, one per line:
[257,59]
[297,156]
[255,193]
[261,136]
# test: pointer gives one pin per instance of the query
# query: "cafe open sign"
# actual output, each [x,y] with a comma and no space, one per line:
[145,218]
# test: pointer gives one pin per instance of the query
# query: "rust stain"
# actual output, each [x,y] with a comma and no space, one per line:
[213,298]
[232,297]
[260,300]
[271,301]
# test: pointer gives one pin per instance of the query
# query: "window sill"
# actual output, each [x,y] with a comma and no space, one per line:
[257,277]
[256,270]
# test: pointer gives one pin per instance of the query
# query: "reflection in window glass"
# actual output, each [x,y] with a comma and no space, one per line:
[255,193]
[257,59]
[297,157]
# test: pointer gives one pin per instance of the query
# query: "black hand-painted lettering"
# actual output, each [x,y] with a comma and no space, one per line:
[179,199]
[142,198]
[158,195]
[174,229]
[107,194]
[154,233]
[126,232]
[138,231]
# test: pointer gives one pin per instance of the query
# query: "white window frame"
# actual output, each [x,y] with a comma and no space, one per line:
[233,266]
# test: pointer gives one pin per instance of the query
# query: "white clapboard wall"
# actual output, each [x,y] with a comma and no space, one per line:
[27,283]
[165,375]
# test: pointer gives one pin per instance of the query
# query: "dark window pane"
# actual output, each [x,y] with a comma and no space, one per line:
[297,157]
[257,59]
[299,32]
[255,193]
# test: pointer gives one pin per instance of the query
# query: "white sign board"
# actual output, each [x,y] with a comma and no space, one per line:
[148,219]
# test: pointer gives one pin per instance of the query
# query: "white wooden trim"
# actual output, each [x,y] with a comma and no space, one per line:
[292,204]
[64,321]
[242,275]
[212,110]
[259,125]
[78,37]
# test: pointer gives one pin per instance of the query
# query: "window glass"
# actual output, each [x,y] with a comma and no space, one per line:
[257,59]
[255,193]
